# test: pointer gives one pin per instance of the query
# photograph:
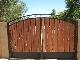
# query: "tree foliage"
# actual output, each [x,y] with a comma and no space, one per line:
[72,11]
[53,13]
[11,9]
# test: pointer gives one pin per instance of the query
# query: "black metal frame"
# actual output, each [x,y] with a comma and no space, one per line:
[44,55]
[9,40]
[76,38]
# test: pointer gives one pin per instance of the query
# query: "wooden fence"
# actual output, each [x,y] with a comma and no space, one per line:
[25,36]
[59,36]
[42,35]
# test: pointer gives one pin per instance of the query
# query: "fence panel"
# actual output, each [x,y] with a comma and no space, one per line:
[42,35]
[59,36]
[25,36]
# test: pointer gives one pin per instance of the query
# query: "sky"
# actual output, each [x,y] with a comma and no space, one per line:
[44,6]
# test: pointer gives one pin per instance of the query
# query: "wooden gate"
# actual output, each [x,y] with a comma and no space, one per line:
[42,37]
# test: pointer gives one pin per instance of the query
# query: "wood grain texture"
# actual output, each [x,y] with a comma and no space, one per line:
[47,35]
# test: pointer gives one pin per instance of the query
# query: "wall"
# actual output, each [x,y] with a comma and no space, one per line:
[3,40]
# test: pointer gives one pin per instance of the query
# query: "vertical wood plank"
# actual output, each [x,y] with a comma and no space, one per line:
[43,35]
[71,37]
[26,29]
[33,35]
[38,34]
[35,40]
[22,36]
[63,36]
[66,37]
[46,35]
[29,37]
[15,34]
[55,35]
[14,44]
[52,37]
[19,37]
[25,35]
[60,40]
